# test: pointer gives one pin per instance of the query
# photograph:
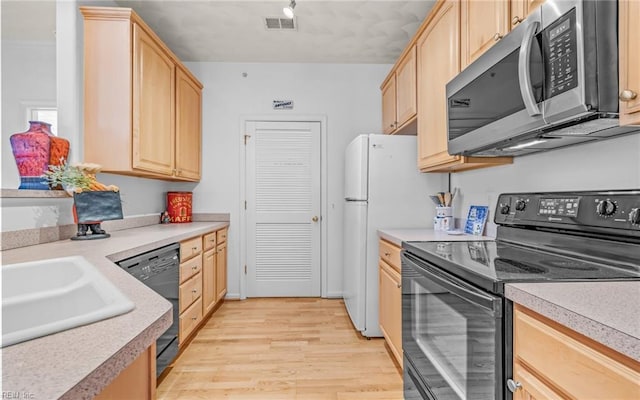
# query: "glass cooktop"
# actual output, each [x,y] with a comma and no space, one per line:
[491,264]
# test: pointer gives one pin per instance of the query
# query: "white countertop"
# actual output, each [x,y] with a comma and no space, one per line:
[399,235]
[607,312]
[79,363]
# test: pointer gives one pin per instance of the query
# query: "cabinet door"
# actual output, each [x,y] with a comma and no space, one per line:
[153,106]
[532,388]
[438,63]
[390,308]
[389,106]
[629,62]
[483,23]
[568,362]
[137,381]
[406,88]
[209,292]
[188,127]
[520,9]
[221,271]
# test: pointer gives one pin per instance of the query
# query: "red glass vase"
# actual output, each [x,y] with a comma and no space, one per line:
[34,150]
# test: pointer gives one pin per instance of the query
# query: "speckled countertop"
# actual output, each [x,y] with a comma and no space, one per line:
[607,312]
[397,236]
[79,363]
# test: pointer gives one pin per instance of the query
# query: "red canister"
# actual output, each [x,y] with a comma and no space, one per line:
[179,206]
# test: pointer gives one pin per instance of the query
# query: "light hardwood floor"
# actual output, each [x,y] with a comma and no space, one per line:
[294,348]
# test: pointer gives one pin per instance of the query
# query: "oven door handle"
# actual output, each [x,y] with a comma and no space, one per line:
[458,287]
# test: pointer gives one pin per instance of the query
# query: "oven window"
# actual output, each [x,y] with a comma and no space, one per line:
[453,343]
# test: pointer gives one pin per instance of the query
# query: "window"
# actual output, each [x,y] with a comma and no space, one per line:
[45,114]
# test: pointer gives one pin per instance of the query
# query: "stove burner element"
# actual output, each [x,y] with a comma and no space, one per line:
[509,265]
[569,264]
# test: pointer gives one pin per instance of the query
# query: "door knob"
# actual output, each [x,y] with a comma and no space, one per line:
[315,218]
[628,95]
[513,386]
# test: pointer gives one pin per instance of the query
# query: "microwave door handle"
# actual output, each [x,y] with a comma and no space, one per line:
[524,70]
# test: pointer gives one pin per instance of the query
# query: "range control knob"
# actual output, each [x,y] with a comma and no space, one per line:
[504,209]
[606,208]
[634,216]
[521,205]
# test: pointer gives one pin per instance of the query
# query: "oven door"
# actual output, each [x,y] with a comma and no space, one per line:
[451,335]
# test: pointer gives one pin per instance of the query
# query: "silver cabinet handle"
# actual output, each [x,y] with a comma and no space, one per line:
[627,95]
[497,37]
[524,73]
[315,218]
[513,386]
[516,20]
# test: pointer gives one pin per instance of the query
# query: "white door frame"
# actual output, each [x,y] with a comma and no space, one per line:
[322,119]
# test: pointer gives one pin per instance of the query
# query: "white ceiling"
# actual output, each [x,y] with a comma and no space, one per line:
[329,31]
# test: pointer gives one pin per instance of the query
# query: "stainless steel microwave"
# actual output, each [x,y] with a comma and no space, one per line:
[551,82]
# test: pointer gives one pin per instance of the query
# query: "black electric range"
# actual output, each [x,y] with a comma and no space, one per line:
[457,328]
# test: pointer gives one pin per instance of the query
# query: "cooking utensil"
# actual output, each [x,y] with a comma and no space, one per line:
[436,200]
[447,199]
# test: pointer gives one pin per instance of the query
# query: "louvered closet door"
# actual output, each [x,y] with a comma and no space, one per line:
[283,209]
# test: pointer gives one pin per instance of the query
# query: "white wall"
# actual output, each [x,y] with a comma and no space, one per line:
[26,75]
[28,78]
[348,95]
[605,165]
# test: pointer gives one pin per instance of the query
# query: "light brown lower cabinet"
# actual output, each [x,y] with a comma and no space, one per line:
[203,280]
[221,271]
[551,361]
[136,382]
[390,297]
[391,308]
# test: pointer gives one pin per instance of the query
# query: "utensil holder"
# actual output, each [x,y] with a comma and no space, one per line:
[443,221]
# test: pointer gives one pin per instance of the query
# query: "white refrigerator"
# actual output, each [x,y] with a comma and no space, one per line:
[383,189]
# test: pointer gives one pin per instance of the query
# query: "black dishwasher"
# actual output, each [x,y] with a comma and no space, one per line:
[159,269]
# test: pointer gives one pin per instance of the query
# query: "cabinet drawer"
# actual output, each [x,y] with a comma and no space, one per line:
[570,362]
[209,241]
[189,320]
[190,291]
[190,268]
[389,253]
[222,235]
[190,248]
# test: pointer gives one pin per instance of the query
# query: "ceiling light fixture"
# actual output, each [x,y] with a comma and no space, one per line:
[288,11]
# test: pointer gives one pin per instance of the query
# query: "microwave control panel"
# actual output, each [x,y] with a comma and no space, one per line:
[561,55]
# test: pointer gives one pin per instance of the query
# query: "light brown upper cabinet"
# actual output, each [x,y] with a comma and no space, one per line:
[142,107]
[399,96]
[520,9]
[483,23]
[629,40]
[438,61]
[438,54]
[389,105]
[188,126]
